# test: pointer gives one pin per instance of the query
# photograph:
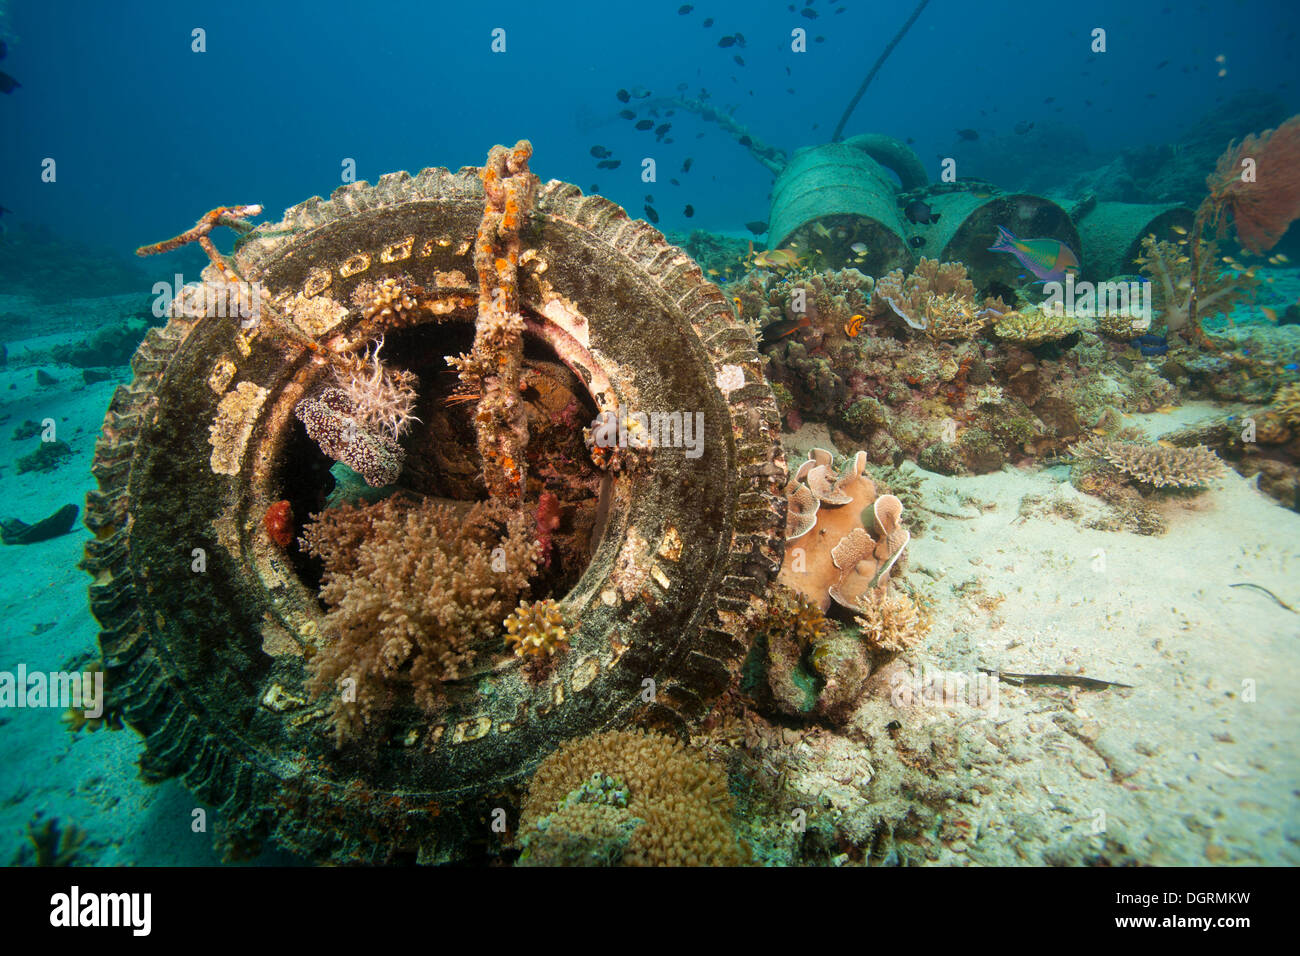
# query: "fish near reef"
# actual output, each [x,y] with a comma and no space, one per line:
[1151,344]
[784,328]
[919,213]
[1048,259]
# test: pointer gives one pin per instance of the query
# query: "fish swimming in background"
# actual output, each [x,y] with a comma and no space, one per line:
[967,134]
[1048,259]
[1151,344]
[756,227]
[774,258]
[7,83]
[920,213]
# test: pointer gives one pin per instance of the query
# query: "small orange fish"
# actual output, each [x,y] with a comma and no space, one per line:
[1166,444]
[1270,314]
[853,327]
[773,258]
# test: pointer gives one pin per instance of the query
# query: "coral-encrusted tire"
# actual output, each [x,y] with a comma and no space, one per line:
[205,622]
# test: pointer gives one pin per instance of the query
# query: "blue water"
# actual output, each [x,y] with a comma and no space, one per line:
[148,135]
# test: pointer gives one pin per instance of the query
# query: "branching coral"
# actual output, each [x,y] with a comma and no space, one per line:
[413,591]
[1170,268]
[683,801]
[1155,465]
[938,299]
[537,629]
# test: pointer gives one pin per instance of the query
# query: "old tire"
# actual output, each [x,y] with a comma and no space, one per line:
[205,623]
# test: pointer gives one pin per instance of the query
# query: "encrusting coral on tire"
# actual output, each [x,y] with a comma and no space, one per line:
[414,593]
[680,803]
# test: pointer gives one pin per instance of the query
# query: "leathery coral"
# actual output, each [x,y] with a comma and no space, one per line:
[682,801]
[1155,465]
[937,299]
[414,594]
[830,554]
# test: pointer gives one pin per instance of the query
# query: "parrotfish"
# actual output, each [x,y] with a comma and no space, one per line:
[1048,259]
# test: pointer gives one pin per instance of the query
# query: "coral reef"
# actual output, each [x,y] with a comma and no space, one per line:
[1030,327]
[591,827]
[1156,466]
[50,455]
[414,592]
[937,299]
[1286,403]
[683,801]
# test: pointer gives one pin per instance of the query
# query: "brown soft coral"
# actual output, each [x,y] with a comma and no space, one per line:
[835,557]
[892,624]
[1156,466]
[683,801]
[938,299]
[414,591]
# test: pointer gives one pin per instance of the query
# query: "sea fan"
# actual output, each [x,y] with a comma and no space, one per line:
[1263,207]
[383,398]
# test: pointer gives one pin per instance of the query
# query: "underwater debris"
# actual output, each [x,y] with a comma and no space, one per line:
[1155,465]
[413,592]
[50,455]
[492,367]
[14,531]
[683,801]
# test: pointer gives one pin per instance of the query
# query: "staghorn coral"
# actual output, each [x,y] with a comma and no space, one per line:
[414,592]
[334,422]
[833,557]
[1030,327]
[1170,268]
[1154,465]
[892,625]
[537,629]
[683,801]
[938,299]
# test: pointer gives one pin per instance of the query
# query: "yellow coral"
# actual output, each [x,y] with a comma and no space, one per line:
[537,628]
[1287,403]
[1032,327]
[683,801]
